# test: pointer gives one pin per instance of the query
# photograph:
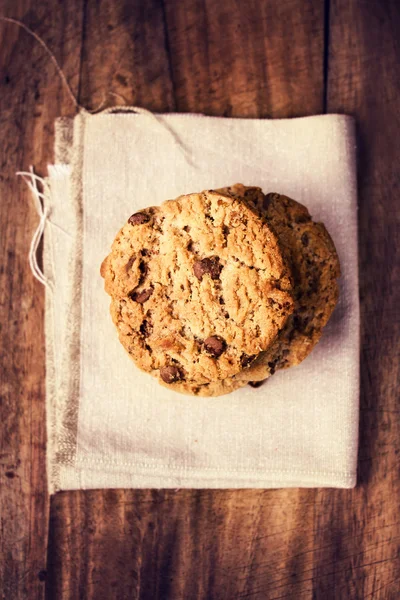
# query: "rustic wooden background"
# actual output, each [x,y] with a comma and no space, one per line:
[247,58]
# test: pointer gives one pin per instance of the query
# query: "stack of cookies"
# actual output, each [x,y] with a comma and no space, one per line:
[219,289]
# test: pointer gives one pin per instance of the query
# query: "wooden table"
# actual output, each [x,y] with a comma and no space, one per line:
[244,58]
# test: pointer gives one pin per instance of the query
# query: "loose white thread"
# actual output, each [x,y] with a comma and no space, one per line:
[55,63]
[159,120]
[135,109]
[32,180]
[185,151]
[39,199]
[49,53]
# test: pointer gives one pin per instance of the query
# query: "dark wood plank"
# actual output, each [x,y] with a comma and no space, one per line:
[357,534]
[247,59]
[124,52]
[31,96]
[242,59]
[180,544]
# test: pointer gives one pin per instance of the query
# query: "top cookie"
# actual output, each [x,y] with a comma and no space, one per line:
[199,288]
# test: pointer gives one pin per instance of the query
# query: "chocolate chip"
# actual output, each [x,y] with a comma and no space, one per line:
[146,328]
[296,322]
[158,223]
[215,345]
[139,218]
[143,267]
[246,360]
[266,202]
[170,374]
[300,324]
[208,266]
[282,358]
[272,367]
[304,218]
[305,239]
[257,384]
[141,296]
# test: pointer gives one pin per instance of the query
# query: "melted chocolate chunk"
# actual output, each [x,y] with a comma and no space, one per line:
[257,384]
[139,218]
[146,328]
[266,201]
[170,374]
[304,218]
[300,323]
[246,360]
[215,345]
[305,239]
[142,296]
[208,266]
[272,366]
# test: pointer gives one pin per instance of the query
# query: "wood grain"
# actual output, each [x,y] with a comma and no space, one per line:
[31,96]
[249,59]
[358,532]
[124,52]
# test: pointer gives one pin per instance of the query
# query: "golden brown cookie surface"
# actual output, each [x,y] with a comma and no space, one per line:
[199,288]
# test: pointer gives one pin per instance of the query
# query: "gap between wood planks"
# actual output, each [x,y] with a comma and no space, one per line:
[327,14]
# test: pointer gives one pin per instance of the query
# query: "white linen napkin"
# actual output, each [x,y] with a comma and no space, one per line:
[110,425]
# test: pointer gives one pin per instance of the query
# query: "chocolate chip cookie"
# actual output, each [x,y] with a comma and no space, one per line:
[198,287]
[309,249]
